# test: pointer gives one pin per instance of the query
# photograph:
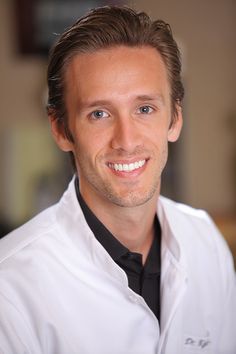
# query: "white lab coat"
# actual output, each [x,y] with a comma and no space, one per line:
[61,292]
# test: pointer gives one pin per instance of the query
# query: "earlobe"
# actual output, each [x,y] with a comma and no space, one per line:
[59,135]
[176,126]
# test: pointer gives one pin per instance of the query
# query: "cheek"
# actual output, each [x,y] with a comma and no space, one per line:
[88,149]
[158,138]
[159,147]
[89,134]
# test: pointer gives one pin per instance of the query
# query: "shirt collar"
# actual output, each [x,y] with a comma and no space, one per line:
[102,234]
[115,249]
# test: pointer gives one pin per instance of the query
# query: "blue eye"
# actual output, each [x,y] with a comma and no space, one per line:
[99,114]
[145,110]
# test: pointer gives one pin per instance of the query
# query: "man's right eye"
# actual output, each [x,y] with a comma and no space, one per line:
[99,114]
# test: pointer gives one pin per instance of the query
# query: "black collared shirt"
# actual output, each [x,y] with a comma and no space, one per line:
[143,279]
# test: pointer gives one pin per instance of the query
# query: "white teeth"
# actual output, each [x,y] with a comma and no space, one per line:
[131,167]
[140,163]
[127,167]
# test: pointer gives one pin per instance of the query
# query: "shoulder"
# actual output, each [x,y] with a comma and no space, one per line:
[195,230]
[41,231]
[183,210]
[199,239]
[40,226]
[187,218]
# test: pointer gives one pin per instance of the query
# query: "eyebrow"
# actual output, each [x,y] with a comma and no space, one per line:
[157,97]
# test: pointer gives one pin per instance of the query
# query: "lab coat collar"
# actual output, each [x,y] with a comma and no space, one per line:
[168,232]
[174,271]
[170,217]
[74,225]
[171,231]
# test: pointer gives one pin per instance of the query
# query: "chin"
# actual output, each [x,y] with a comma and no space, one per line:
[132,199]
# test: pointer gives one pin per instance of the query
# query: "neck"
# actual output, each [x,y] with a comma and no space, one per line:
[132,226]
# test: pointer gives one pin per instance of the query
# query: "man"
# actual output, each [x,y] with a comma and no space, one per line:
[114,267]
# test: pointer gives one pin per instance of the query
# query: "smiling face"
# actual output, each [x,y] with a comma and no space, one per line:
[119,114]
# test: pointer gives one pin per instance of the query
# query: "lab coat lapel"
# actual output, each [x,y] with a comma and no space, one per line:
[173,276]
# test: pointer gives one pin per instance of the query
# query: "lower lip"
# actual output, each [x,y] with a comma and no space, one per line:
[129,174]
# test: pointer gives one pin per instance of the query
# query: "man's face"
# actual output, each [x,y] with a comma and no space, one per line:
[119,114]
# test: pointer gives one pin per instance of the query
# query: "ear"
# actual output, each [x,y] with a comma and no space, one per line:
[176,126]
[59,135]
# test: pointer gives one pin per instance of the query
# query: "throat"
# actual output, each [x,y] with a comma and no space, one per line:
[133,227]
[137,242]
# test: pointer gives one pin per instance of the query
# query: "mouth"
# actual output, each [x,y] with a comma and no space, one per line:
[127,167]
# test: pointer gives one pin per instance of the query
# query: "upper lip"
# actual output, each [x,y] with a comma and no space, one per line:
[129,161]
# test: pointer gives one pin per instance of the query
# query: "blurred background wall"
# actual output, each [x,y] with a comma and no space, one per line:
[202,167]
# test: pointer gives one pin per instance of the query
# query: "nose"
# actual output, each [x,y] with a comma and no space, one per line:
[126,134]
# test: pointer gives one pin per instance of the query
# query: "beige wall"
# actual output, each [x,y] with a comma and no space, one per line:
[26,148]
[206,32]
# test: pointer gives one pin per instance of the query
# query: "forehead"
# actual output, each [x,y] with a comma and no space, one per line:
[117,70]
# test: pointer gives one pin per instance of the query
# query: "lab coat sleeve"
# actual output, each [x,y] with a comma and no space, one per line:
[227,331]
[227,338]
[13,329]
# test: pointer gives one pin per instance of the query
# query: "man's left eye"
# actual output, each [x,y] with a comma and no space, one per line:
[145,110]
